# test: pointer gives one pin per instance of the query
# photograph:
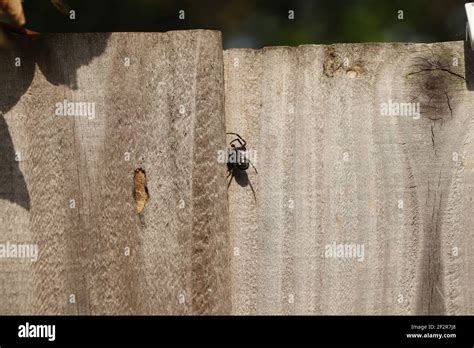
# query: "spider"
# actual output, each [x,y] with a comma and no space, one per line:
[238,162]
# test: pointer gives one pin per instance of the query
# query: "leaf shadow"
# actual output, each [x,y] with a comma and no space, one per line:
[59,67]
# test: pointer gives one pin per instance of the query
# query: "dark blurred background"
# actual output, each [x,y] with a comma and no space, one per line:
[252,23]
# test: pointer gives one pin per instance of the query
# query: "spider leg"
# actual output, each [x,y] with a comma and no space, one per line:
[253,191]
[241,144]
[243,140]
[253,167]
[231,177]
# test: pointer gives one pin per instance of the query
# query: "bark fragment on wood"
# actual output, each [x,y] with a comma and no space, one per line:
[140,189]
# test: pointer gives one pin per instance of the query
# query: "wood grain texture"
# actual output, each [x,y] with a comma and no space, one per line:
[162,113]
[332,168]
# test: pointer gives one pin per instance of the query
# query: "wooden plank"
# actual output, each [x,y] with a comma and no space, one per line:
[332,168]
[72,191]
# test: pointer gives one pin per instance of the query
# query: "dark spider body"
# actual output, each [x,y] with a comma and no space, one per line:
[237,158]
[241,163]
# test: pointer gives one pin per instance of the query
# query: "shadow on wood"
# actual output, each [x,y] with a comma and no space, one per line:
[469,65]
[12,183]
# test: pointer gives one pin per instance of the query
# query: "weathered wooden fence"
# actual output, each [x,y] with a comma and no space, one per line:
[359,147]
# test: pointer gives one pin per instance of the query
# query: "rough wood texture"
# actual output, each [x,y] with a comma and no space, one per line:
[164,111]
[331,168]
